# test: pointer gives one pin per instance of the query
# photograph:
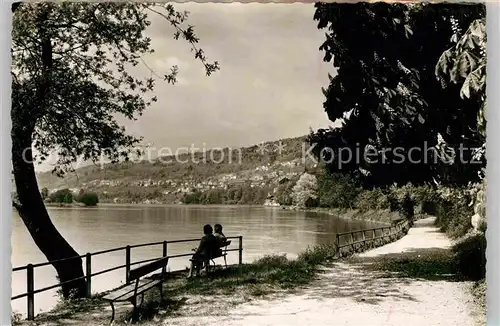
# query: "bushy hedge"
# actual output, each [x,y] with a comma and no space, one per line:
[337,191]
[61,196]
[88,198]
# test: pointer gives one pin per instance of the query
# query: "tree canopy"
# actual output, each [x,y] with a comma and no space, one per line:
[465,63]
[386,85]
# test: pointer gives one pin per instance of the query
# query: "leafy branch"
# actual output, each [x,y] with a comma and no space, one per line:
[89,51]
[465,62]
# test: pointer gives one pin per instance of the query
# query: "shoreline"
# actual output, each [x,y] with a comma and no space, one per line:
[66,205]
[352,214]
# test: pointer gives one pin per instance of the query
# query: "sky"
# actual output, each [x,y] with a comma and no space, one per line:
[268,87]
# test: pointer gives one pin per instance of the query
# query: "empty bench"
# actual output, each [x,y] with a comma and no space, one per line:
[131,291]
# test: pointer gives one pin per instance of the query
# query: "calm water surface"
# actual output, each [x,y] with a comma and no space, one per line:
[264,230]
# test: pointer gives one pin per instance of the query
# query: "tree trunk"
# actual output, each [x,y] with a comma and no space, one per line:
[32,210]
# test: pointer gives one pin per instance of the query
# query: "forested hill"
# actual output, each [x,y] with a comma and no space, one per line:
[249,180]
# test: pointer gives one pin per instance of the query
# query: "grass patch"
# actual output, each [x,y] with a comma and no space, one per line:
[269,274]
[260,277]
[83,305]
[64,309]
[429,264]
[151,308]
[479,293]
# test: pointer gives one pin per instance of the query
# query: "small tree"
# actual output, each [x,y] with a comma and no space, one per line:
[284,193]
[305,191]
[89,199]
[61,196]
[44,193]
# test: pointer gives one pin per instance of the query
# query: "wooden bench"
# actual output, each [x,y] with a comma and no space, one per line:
[224,252]
[130,291]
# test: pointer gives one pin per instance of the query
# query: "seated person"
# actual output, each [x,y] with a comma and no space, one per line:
[205,251]
[218,233]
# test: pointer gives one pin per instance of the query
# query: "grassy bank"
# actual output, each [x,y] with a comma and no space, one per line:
[383,216]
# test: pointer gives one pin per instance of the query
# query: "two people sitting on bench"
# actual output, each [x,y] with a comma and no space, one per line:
[209,247]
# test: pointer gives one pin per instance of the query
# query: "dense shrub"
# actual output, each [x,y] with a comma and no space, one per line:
[371,199]
[61,196]
[88,199]
[192,197]
[283,193]
[454,211]
[45,193]
[305,191]
[470,255]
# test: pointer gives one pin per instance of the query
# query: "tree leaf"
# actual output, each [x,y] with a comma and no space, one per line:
[466,64]
[421,119]
[465,90]
[408,31]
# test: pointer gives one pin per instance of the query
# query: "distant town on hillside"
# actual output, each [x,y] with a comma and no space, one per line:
[252,179]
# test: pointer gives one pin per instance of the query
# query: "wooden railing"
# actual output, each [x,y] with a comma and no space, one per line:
[30,268]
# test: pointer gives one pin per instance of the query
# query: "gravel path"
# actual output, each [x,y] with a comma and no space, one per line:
[356,292]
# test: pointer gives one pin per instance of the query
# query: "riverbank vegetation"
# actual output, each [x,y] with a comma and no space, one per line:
[73,110]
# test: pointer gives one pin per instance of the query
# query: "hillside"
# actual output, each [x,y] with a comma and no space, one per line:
[247,176]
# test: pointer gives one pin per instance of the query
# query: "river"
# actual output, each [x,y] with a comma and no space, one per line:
[265,230]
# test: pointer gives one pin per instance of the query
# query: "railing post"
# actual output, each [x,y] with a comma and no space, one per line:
[240,251]
[164,269]
[127,264]
[88,262]
[364,237]
[337,244]
[30,289]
